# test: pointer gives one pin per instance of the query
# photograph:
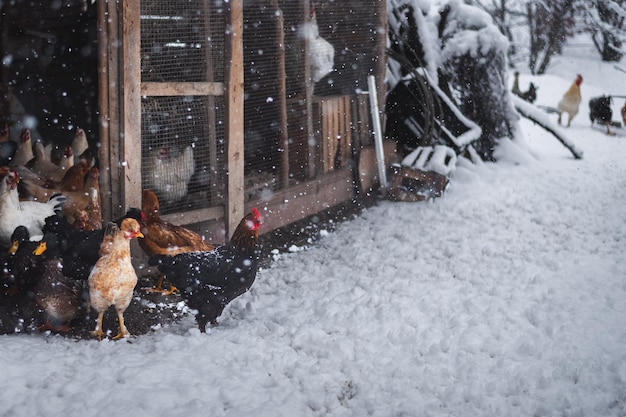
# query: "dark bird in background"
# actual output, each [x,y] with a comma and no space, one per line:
[600,112]
[58,297]
[23,268]
[8,148]
[209,281]
[529,95]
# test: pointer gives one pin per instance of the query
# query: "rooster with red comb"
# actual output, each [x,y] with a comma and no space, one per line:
[209,281]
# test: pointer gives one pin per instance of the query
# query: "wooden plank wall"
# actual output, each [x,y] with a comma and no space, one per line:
[334,117]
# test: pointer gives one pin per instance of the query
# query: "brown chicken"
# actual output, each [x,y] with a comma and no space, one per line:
[571,101]
[164,238]
[43,166]
[72,187]
[113,278]
[92,219]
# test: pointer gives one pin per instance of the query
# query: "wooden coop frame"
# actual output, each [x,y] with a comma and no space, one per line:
[121,89]
[335,127]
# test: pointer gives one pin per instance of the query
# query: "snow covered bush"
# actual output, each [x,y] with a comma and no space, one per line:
[460,48]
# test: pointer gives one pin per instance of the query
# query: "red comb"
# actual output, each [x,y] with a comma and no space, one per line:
[256,213]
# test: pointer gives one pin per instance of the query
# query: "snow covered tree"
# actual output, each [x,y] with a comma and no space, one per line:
[606,21]
[550,23]
[510,17]
[474,65]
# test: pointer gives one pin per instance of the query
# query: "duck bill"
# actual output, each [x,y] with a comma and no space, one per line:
[40,249]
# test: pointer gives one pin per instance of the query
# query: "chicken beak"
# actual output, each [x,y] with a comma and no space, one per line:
[14,246]
[40,249]
[139,234]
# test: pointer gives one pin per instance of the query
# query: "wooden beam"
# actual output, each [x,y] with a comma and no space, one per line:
[5,97]
[182,89]
[234,117]
[282,97]
[211,112]
[381,42]
[313,146]
[103,105]
[130,161]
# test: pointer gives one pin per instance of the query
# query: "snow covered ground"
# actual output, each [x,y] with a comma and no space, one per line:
[506,297]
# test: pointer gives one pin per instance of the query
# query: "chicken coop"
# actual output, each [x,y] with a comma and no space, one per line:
[216,105]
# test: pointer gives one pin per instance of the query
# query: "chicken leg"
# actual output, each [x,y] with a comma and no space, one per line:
[159,288]
[123,330]
[98,332]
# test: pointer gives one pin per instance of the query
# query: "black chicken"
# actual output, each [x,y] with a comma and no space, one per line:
[79,248]
[600,111]
[208,281]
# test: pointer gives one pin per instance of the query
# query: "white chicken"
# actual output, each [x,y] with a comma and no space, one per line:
[14,212]
[321,52]
[168,173]
[79,144]
[24,151]
[571,101]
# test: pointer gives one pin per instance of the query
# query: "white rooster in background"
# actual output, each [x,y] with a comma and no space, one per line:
[168,171]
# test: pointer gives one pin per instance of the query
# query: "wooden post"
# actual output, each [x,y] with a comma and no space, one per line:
[313,147]
[103,105]
[282,97]
[234,116]
[211,137]
[5,97]
[130,158]
[381,63]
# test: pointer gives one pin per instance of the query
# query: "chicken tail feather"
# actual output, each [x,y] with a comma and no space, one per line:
[56,201]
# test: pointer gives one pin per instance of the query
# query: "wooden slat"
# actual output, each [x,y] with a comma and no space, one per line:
[111,153]
[182,89]
[195,216]
[103,105]
[335,132]
[346,140]
[305,199]
[130,163]
[314,148]
[282,97]
[234,116]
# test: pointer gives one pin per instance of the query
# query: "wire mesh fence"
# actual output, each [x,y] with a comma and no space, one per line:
[305,69]
[183,136]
